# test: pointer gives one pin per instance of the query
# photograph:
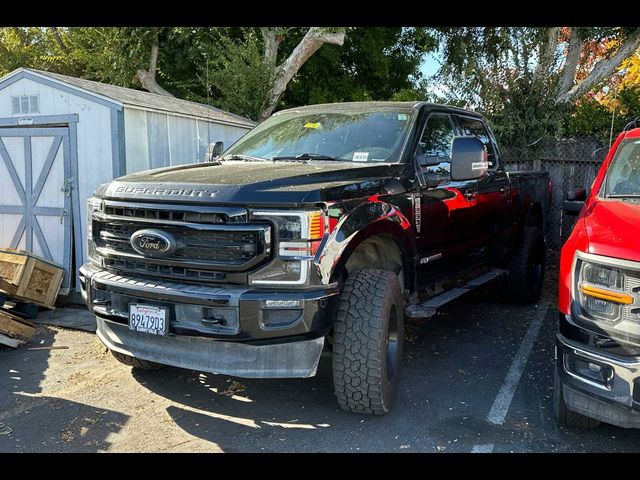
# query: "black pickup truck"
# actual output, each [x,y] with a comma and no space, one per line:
[321,229]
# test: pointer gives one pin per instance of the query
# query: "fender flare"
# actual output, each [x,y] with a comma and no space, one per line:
[361,223]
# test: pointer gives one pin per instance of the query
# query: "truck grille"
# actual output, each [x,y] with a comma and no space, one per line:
[211,244]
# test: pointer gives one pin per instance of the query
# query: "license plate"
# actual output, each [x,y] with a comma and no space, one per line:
[148,319]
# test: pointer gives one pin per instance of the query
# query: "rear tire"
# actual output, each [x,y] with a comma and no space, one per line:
[526,268]
[367,348]
[137,363]
[564,416]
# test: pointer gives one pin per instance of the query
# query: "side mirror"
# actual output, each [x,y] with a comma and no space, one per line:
[575,201]
[469,159]
[213,151]
[577,195]
[428,160]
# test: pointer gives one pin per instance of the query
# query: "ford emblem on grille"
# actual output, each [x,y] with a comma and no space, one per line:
[153,243]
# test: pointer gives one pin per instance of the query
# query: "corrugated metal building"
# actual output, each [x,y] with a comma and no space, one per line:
[61,137]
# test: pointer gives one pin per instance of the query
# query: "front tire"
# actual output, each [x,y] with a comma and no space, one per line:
[368,336]
[565,417]
[134,362]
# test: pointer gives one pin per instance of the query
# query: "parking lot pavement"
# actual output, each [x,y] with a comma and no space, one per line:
[469,383]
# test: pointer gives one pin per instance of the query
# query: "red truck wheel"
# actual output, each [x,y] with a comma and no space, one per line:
[564,416]
[367,349]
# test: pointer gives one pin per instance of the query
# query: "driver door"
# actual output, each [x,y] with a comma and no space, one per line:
[446,206]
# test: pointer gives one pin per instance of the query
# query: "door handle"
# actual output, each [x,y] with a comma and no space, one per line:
[470,194]
[503,190]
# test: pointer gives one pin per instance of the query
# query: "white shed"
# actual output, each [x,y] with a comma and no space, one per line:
[61,137]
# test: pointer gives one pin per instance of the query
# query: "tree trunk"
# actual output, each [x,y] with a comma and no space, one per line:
[272,41]
[547,54]
[56,35]
[603,69]
[148,77]
[312,41]
[571,63]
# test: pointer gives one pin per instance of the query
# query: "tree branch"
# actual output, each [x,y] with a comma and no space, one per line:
[547,54]
[272,40]
[21,35]
[603,69]
[148,77]
[56,35]
[571,63]
[311,42]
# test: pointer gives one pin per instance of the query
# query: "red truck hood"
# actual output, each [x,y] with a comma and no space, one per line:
[613,229]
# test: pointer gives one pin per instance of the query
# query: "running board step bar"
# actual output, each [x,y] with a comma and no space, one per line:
[430,307]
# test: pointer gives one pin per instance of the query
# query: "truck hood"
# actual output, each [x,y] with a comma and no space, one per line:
[259,182]
[613,228]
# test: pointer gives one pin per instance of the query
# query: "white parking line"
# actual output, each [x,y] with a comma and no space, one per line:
[483,448]
[503,400]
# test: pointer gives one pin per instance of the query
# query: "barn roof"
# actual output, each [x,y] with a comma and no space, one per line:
[137,98]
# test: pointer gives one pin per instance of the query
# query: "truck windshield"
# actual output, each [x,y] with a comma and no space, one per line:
[361,136]
[623,177]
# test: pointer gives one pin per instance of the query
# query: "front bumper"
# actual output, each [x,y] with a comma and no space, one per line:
[221,329]
[601,386]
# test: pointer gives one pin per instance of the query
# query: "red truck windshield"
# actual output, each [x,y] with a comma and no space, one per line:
[623,177]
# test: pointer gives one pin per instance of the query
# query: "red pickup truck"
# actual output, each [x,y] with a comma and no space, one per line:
[597,376]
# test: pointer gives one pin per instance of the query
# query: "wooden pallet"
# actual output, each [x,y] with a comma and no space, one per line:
[29,278]
[14,330]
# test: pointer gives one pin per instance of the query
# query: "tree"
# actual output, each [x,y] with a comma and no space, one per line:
[373,64]
[527,80]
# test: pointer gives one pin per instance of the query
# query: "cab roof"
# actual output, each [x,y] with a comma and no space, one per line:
[373,106]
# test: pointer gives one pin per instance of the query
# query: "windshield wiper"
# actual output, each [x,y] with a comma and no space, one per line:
[307,156]
[246,158]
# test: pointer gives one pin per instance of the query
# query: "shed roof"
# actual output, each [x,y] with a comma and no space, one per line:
[138,98]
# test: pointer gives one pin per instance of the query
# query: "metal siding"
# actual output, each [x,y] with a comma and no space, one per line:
[183,140]
[158,140]
[136,144]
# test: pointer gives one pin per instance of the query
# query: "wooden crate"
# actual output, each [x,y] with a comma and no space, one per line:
[29,277]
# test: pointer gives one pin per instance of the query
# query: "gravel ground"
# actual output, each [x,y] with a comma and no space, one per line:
[77,398]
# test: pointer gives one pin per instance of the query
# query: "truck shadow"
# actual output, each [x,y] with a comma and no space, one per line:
[31,421]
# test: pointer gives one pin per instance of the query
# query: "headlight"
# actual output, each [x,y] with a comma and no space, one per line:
[93,205]
[600,290]
[298,236]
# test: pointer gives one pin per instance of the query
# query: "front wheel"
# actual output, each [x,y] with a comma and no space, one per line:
[367,348]
[564,416]
[134,362]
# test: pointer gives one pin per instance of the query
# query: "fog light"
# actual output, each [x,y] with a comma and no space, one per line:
[283,303]
[282,318]
[594,368]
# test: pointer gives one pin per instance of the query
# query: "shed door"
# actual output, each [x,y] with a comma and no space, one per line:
[34,193]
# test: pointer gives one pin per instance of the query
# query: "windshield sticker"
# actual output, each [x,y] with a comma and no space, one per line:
[360,156]
[312,125]
[479,165]
[402,116]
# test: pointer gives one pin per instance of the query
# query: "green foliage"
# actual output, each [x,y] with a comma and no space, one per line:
[238,74]
[373,64]
[593,118]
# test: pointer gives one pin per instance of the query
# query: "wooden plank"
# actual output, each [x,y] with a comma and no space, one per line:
[14,328]
[9,313]
[10,342]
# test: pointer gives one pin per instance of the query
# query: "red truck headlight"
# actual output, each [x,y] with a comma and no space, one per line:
[600,290]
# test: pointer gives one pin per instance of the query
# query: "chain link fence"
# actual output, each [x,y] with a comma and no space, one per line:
[571,163]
